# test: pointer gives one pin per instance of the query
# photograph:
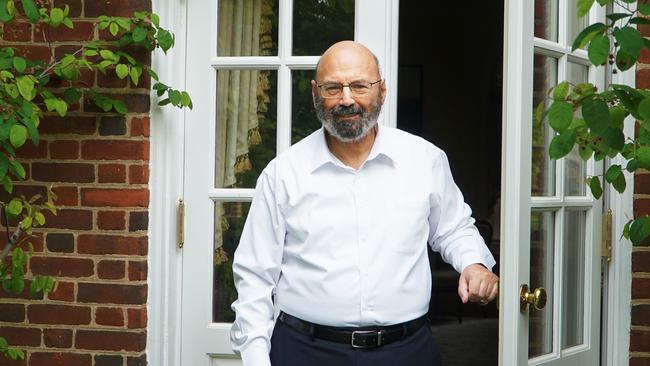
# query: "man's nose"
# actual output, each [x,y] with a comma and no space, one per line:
[346,97]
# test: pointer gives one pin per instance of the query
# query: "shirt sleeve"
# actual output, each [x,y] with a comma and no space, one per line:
[452,230]
[256,270]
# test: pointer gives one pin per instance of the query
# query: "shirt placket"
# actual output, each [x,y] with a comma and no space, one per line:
[362,245]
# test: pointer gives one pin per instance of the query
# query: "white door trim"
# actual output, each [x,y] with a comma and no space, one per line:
[166,187]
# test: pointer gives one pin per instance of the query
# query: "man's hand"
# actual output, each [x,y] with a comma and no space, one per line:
[476,283]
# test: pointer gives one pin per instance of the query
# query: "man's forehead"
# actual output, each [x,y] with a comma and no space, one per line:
[348,60]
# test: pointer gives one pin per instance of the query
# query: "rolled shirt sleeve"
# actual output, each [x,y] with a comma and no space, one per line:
[256,270]
[452,231]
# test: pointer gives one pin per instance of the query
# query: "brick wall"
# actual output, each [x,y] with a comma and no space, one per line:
[97,245]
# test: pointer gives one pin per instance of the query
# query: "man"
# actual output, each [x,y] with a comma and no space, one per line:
[336,236]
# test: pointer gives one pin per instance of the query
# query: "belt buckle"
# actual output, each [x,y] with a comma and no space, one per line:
[379,333]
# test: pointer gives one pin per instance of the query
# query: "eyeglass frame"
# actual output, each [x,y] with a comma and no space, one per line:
[345,85]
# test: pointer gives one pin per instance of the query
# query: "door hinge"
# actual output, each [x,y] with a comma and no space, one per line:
[606,236]
[180,224]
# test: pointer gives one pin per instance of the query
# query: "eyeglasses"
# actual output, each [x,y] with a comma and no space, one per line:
[335,90]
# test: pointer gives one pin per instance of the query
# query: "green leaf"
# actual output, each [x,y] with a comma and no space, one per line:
[617,115]
[72,95]
[68,23]
[108,55]
[614,138]
[32,130]
[617,16]
[123,23]
[596,114]
[5,15]
[25,87]
[559,115]
[643,9]
[122,71]
[632,165]
[120,107]
[624,61]
[619,184]
[598,50]
[4,165]
[26,223]
[40,218]
[562,144]
[642,155]
[630,40]
[61,107]
[135,73]
[175,97]
[583,7]
[56,17]
[186,100]
[644,108]
[155,19]
[165,39]
[14,207]
[587,34]
[585,152]
[613,172]
[560,91]
[114,28]
[595,187]
[30,10]
[637,233]
[639,20]
[18,135]
[19,64]
[139,34]
[152,73]
[17,168]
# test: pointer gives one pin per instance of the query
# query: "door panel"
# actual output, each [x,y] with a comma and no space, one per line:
[550,223]
[249,67]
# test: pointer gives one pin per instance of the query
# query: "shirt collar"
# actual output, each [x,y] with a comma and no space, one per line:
[322,154]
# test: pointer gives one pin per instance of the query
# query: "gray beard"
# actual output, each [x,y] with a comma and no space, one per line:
[346,131]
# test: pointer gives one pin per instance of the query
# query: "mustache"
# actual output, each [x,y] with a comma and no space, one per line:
[341,110]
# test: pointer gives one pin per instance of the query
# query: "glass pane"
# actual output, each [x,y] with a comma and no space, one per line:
[247,28]
[574,167]
[543,168]
[302,110]
[246,126]
[576,25]
[229,221]
[573,274]
[546,19]
[542,231]
[319,24]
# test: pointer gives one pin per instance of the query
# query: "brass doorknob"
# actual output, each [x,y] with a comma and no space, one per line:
[536,298]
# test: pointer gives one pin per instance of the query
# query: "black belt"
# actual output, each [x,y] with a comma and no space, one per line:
[365,337]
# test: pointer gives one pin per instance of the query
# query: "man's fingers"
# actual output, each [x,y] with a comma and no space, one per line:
[494,291]
[463,289]
[474,288]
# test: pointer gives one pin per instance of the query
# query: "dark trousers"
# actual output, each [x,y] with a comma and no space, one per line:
[290,347]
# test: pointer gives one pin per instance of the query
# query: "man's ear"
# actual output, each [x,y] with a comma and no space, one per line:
[314,90]
[383,89]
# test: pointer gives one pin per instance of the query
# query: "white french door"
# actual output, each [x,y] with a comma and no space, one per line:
[550,221]
[248,69]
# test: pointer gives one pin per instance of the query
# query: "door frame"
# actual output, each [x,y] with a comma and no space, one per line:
[166,187]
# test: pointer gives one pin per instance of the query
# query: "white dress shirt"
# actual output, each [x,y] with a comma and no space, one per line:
[345,247]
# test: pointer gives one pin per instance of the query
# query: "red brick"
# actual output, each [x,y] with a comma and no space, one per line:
[58,314]
[23,295]
[640,361]
[111,270]
[111,173]
[111,220]
[643,78]
[17,32]
[641,315]
[63,291]
[137,361]
[112,150]
[60,242]
[82,31]
[6,361]
[110,80]
[114,197]
[74,5]
[109,316]
[138,270]
[23,189]
[57,338]
[108,360]
[640,261]
[66,196]
[64,149]
[30,151]
[111,244]
[640,288]
[59,359]
[104,293]
[124,8]
[34,53]
[135,103]
[140,126]
[639,340]
[139,174]
[62,266]
[70,219]
[13,313]
[138,220]
[16,336]
[137,318]
[69,125]
[63,172]
[110,341]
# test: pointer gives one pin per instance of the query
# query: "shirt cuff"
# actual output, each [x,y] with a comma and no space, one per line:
[477,259]
[256,354]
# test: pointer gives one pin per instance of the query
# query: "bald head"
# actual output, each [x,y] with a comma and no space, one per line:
[344,55]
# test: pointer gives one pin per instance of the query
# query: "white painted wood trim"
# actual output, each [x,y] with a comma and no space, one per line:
[166,187]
